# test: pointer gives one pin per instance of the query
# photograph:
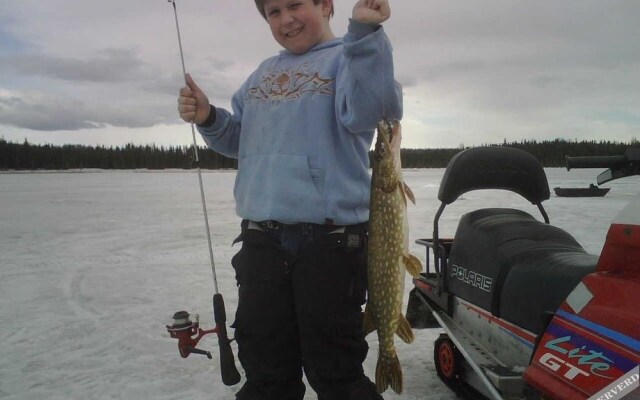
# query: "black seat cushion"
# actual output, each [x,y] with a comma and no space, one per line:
[516,267]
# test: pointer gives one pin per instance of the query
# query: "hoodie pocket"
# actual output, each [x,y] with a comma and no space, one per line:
[286,186]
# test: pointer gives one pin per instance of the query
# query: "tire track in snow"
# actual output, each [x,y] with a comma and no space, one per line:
[76,299]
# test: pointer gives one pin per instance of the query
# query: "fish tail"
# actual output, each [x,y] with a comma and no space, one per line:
[389,373]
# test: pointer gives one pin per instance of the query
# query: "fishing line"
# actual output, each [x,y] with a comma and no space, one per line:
[195,151]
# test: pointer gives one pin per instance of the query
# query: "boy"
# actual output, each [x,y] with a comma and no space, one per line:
[301,128]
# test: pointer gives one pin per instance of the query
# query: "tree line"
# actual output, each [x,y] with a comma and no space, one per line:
[27,156]
[550,153]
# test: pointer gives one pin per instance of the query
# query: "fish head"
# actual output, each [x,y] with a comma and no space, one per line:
[386,154]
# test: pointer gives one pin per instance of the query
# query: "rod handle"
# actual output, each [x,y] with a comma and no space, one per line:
[228,370]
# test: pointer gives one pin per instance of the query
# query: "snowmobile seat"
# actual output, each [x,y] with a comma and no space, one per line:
[518,268]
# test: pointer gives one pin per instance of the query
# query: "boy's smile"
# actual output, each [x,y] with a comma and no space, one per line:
[299,25]
[294,32]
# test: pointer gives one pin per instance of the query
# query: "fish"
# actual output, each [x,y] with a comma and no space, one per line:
[388,255]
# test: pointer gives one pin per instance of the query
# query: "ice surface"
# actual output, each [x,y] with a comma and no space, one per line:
[94,264]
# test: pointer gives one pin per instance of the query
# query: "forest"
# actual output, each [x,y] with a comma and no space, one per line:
[27,156]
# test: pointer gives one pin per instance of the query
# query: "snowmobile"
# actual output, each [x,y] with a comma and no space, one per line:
[526,311]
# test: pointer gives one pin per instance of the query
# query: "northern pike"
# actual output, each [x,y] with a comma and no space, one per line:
[388,255]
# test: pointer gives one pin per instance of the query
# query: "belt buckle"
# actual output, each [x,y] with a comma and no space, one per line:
[270,224]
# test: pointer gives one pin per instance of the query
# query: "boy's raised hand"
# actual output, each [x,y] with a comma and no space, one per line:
[193,104]
[371,11]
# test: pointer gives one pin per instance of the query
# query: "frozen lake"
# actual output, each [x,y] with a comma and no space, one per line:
[94,263]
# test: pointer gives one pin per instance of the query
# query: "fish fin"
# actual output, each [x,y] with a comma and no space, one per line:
[412,264]
[404,330]
[389,373]
[368,325]
[403,193]
[409,193]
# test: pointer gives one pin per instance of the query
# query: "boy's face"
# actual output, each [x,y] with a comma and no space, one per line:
[298,25]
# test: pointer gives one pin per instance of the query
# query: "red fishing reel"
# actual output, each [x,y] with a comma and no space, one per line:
[184,330]
[189,333]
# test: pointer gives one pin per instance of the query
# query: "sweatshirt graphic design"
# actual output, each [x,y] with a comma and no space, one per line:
[290,84]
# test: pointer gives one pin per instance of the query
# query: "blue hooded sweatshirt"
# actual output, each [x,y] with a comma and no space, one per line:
[302,126]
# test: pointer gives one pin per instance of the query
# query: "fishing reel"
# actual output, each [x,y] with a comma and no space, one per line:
[189,333]
[184,330]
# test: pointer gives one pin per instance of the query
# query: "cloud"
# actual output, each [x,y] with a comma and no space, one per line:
[111,65]
[114,87]
[41,113]
[45,112]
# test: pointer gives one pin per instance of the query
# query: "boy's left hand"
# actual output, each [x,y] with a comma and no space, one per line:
[371,11]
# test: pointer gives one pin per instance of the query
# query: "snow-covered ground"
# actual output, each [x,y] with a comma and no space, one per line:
[93,264]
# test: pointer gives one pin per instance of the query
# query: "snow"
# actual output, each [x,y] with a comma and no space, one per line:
[94,264]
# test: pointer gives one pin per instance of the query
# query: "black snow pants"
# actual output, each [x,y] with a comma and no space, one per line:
[301,288]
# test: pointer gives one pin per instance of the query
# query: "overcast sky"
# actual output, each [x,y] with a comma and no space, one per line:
[473,72]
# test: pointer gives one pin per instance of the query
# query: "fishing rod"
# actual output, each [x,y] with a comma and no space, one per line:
[183,328]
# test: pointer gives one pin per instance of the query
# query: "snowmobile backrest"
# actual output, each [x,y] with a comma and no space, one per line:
[494,168]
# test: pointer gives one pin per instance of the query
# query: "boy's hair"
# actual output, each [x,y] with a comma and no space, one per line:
[260,6]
